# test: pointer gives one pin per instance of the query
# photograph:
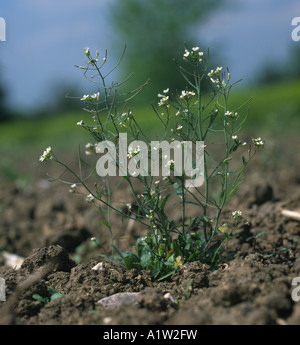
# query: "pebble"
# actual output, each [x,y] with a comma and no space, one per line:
[119,299]
[98,267]
[169,296]
[12,260]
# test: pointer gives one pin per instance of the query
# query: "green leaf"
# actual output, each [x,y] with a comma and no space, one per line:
[166,275]
[57,295]
[234,147]
[104,223]
[145,259]
[52,291]
[244,160]
[40,298]
[178,189]
[131,261]
[227,160]
[164,201]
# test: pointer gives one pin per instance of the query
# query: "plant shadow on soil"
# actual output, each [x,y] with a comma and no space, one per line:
[46,224]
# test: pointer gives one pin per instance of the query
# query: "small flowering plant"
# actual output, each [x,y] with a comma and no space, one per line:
[187,116]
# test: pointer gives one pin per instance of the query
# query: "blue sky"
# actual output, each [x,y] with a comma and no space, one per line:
[45,38]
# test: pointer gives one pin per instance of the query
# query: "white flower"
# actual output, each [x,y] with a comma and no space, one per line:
[186,94]
[149,216]
[129,206]
[195,53]
[179,127]
[210,73]
[73,188]
[186,53]
[134,152]
[85,97]
[236,214]
[89,146]
[86,51]
[90,198]
[166,90]
[47,155]
[80,123]
[137,149]
[258,142]
[234,137]
[95,95]
[170,163]
[163,100]
[215,74]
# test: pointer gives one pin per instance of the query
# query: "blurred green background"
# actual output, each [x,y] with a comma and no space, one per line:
[155,33]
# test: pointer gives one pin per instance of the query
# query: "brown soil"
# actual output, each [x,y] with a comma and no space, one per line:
[46,224]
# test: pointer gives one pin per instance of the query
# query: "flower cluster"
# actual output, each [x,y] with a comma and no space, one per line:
[90,198]
[186,94]
[163,98]
[125,117]
[132,153]
[47,155]
[236,214]
[231,114]
[214,75]
[194,53]
[150,216]
[88,54]
[92,97]
[258,142]
[170,163]
[73,188]
[90,148]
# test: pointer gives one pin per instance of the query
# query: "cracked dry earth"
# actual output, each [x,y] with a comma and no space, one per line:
[51,230]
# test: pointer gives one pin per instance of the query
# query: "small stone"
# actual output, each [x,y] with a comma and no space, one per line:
[98,267]
[169,296]
[107,320]
[119,299]
[12,260]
